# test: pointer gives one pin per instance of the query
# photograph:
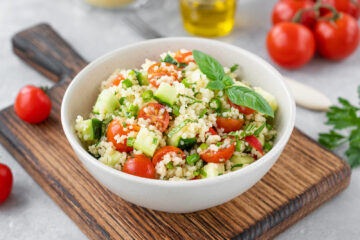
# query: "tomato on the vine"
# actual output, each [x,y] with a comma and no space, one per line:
[291,45]
[140,166]
[32,104]
[6,182]
[351,7]
[337,38]
[285,10]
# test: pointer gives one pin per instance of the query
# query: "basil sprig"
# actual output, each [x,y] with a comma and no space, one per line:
[219,81]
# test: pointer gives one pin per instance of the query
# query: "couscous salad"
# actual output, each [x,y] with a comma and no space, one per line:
[182,117]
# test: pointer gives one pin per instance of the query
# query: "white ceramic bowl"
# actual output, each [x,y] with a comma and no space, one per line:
[180,196]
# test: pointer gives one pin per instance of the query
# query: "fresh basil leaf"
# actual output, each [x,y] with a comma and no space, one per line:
[246,97]
[208,65]
[234,67]
[227,80]
[170,59]
[215,85]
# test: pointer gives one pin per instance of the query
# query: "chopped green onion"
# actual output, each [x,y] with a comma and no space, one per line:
[170,165]
[203,112]
[238,146]
[269,126]
[124,124]
[267,147]
[186,83]
[147,95]
[197,94]
[234,68]
[259,130]
[219,144]
[204,146]
[132,111]
[215,104]
[126,83]
[203,173]
[237,165]
[196,173]
[176,110]
[130,141]
[122,100]
[192,159]
[155,140]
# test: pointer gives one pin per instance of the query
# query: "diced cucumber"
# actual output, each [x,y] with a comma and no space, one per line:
[175,133]
[268,97]
[106,102]
[186,143]
[240,161]
[213,170]
[146,141]
[111,158]
[142,78]
[89,129]
[166,94]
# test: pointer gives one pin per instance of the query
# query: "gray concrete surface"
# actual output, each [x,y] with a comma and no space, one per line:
[31,214]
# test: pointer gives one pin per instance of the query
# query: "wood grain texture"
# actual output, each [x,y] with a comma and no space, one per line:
[305,176]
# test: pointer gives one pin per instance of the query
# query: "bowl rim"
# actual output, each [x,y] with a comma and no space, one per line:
[71,136]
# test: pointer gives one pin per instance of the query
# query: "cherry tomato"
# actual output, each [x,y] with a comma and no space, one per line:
[242,109]
[6,182]
[186,57]
[337,39]
[219,156]
[290,45]
[140,166]
[255,143]
[211,131]
[351,7]
[118,80]
[158,70]
[158,156]
[285,10]
[229,124]
[157,114]
[116,128]
[32,104]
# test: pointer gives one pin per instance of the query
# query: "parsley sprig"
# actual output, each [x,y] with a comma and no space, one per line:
[239,95]
[344,117]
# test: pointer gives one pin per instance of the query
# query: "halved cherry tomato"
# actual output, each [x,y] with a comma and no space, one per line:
[285,10]
[157,70]
[6,182]
[337,39]
[229,124]
[255,143]
[158,115]
[117,128]
[186,57]
[140,166]
[291,45]
[158,156]
[220,156]
[242,109]
[118,80]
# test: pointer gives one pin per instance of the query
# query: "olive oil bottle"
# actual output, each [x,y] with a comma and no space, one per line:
[208,18]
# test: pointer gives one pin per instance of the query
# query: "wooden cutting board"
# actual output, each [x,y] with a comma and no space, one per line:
[305,176]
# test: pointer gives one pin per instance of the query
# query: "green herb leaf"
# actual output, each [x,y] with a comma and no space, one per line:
[208,65]
[330,140]
[170,165]
[234,67]
[215,85]
[259,130]
[246,97]
[192,159]
[344,116]
[227,80]
[170,59]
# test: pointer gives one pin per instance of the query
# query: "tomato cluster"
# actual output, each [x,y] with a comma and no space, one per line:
[304,27]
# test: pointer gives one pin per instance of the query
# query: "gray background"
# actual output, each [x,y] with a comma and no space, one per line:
[30,214]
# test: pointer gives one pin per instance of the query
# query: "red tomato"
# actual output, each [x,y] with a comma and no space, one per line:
[158,115]
[158,156]
[337,39]
[290,45]
[212,131]
[229,124]
[117,128]
[219,156]
[242,109]
[186,57]
[6,182]
[157,70]
[351,7]
[118,80]
[285,10]
[255,143]
[32,104]
[140,166]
